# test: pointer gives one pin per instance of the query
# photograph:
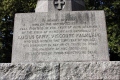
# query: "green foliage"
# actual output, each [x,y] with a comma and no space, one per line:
[8,8]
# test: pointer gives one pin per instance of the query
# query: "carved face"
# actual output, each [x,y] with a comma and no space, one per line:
[59,4]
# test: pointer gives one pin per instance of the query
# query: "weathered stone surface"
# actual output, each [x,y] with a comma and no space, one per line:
[59,5]
[42,6]
[90,71]
[42,71]
[62,36]
[61,71]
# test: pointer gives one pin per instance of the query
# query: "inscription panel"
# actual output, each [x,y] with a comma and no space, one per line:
[63,36]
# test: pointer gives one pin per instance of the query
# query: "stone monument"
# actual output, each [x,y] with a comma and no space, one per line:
[51,44]
[60,36]
[59,5]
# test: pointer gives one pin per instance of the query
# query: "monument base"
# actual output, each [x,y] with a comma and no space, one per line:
[61,71]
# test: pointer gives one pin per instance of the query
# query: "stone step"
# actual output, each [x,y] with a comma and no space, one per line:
[105,70]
